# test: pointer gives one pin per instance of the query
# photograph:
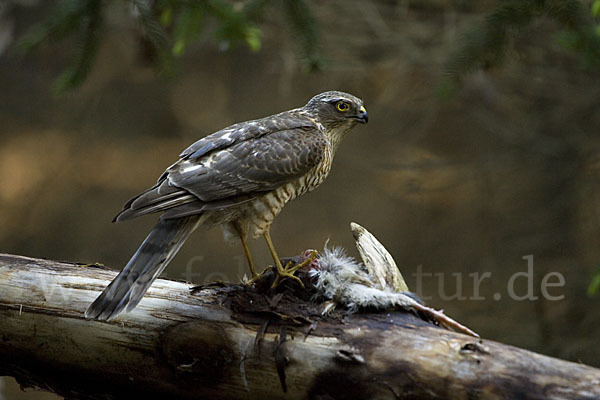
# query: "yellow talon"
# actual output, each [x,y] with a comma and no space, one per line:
[289,270]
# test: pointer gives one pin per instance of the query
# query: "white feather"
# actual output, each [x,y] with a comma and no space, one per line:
[346,282]
[187,167]
[343,281]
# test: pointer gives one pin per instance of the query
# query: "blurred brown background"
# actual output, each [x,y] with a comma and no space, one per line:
[507,166]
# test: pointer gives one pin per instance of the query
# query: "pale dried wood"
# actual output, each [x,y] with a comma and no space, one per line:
[208,345]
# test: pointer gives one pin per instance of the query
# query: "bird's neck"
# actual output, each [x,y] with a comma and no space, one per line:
[337,134]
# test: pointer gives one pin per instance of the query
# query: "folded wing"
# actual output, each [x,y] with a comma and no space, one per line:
[233,166]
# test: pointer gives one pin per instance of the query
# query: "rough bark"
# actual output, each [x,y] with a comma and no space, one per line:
[229,342]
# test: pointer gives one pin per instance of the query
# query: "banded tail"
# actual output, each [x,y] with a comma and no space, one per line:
[150,259]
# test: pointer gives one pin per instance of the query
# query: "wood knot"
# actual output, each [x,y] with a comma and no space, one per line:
[198,352]
[474,347]
[349,356]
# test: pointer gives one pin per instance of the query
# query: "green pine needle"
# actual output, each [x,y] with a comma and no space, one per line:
[169,27]
[487,44]
[594,286]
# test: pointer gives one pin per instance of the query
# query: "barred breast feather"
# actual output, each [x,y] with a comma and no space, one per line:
[261,212]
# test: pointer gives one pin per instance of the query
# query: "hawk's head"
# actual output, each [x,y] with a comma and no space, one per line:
[337,110]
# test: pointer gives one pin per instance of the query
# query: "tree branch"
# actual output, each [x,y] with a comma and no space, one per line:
[229,341]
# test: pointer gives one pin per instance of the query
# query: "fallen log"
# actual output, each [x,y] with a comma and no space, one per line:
[229,341]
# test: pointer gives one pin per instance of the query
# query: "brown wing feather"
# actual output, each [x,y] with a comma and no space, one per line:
[251,167]
[160,197]
[233,167]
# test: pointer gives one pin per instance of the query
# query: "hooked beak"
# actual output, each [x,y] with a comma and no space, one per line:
[362,116]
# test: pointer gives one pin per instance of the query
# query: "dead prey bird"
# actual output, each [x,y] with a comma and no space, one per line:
[375,284]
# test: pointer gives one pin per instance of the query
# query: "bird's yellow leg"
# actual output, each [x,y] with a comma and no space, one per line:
[311,258]
[242,233]
[290,268]
[248,256]
[281,272]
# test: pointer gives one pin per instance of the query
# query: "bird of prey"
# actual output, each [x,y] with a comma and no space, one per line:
[239,177]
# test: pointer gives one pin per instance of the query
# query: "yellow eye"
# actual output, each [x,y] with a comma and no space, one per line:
[342,106]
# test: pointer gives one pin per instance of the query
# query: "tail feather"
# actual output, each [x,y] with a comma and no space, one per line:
[159,197]
[165,204]
[150,259]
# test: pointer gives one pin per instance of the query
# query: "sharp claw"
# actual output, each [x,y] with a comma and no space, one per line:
[289,270]
[307,261]
[286,274]
[255,278]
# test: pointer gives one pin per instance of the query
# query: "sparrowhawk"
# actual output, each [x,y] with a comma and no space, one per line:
[239,177]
